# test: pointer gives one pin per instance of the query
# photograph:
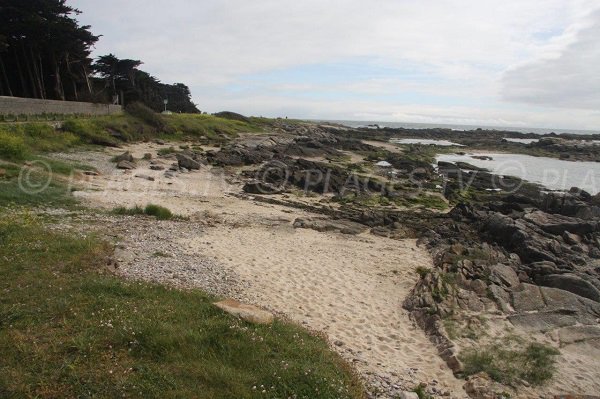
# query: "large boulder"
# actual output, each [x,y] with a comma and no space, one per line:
[126,165]
[572,283]
[558,224]
[126,156]
[504,275]
[260,187]
[186,161]
[323,225]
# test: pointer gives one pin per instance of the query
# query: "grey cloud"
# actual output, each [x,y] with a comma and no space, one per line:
[570,80]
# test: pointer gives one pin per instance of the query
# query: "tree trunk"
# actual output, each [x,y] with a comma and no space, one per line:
[42,78]
[5,78]
[87,78]
[36,71]
[24,89]
[29,72]
[58,86]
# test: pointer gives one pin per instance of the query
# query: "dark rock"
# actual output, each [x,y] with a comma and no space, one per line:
[126,165]
[145,177]
[126,156]
[574,334]
[323,225]
[528,298]
[570,238]
[504,275]
[558,224]
[501,297]
[544,321]
[259,187]
[157,167]
[479,286]
[572,283]
[187,162]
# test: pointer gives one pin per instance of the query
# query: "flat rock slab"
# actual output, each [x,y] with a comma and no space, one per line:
[249,313]
[324,225]
[573,334]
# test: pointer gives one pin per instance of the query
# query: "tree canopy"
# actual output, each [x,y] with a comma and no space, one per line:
[45,53]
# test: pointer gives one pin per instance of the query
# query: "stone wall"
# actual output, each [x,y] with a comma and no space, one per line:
[31,106]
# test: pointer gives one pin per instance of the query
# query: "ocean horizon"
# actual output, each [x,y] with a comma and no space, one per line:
[410,125]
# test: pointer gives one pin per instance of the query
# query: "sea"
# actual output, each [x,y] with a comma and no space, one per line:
[407,125]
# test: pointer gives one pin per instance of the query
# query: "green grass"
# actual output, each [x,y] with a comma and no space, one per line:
[34,186]
[422,271]
[505,363]
[19,141]
[421,392]
[159,212]
[165,151]
[211,127]
[69,329]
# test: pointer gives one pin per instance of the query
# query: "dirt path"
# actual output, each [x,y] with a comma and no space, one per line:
[349,287]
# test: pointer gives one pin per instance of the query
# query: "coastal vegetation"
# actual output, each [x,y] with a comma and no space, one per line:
[510,363]
[159,212]
[69,328]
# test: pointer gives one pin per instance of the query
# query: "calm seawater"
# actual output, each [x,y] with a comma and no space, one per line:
[552,173]
[407,125]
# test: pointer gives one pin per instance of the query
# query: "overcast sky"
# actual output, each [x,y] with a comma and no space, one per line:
[515,63]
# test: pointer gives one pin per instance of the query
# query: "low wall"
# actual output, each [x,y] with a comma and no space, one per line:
[31,106]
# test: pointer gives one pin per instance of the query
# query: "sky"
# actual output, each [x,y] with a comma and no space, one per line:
[518,63]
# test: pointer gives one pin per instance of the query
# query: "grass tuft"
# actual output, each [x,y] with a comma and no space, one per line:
[159,212]
[534,363]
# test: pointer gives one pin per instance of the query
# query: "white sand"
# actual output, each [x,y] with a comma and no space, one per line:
[349,287]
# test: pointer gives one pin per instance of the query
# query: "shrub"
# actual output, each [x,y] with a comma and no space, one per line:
[160,212]
[146,114]
[122,210]
[12,145]
[165,151]
[422,271]
[536,363]
[89,132]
